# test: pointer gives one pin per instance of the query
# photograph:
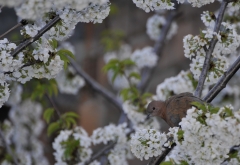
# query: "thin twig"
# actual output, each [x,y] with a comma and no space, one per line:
[209,52]
[8,148]
[96,86]
[222,82]
[158,48]
[54,105]
[36,37]
[21,23]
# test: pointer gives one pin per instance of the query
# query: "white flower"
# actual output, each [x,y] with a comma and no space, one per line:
[144,58]
[147,143]
[208,19]
[154,27]
[83,150]
[178,84]
[150,5]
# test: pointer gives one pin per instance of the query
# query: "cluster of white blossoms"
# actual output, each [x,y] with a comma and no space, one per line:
[110,132]
[121,151]
[8,63]
[206,135]
[145,57]
[197,3]
[146,143]
[174,85]
[194,48]
[68,82]
[155,25]
[82,150]
[142,58]
[152,5]
[35,9]
[208,18]
[23,133]
[138,119]
[4,91]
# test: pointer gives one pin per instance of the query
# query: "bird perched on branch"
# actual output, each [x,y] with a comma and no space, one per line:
[173,109]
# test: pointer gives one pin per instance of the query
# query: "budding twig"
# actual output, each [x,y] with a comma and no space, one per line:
[21,23]
[209,52]
[36,37]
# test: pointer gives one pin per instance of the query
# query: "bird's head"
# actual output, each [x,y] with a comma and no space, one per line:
[154,108]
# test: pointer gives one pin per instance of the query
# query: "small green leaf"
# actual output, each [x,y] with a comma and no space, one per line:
[71,114]
[53,43]
[199,106]
[180,134]
[135,75]
[53,127]
[167,163]
[128,62]
[48,114]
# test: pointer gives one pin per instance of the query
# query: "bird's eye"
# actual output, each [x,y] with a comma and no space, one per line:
[153,108]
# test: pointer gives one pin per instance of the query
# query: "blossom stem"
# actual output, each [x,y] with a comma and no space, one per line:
[36,37]
[209,51]
[54,106]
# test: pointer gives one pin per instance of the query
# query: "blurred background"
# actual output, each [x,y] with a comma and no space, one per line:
[94,110]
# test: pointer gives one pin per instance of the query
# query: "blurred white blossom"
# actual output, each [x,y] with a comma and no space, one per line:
[155,25]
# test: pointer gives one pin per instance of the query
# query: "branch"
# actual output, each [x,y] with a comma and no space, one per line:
[32,39]
[21,23]
[8,148]
[207,60]
[222,82]
[158,48]
[101,152]
[96,86]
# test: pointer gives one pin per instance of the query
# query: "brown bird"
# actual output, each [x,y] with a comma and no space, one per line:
[173,109]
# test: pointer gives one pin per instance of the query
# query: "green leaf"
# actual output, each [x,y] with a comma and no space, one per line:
[135,75]
[53,43]
[70,147]
[146,95]
[180,134]
[64,54]
[128,62]
[71,114]
[199,106]
[167,163]
[213,110]
[48,113]
[114,76]
[53,127]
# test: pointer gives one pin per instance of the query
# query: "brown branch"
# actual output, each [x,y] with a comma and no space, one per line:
[158,48]
[36,37]
[209,52]
[96,86]
[222,82]
[21,23]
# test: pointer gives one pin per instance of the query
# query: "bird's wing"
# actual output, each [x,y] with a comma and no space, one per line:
[177,106]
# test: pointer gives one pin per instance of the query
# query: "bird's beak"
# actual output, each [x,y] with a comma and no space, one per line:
[148,116]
